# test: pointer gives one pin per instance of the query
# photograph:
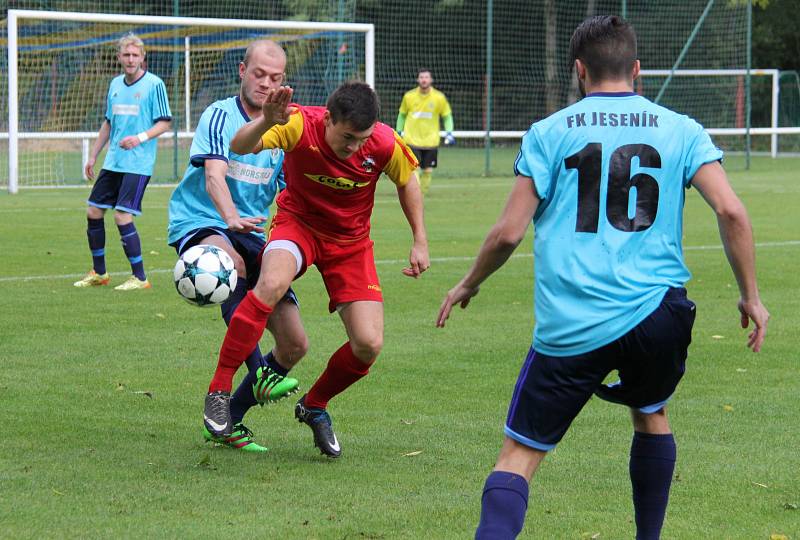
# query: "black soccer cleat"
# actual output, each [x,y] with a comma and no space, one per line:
[217,414]
[321,425]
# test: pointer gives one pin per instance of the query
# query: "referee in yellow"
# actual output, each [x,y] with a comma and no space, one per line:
[418,124]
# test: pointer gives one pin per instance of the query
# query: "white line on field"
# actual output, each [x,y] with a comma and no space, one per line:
[12,279]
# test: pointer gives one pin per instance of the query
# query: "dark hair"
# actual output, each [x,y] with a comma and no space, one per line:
[355,103]
[422,70]
[606,44]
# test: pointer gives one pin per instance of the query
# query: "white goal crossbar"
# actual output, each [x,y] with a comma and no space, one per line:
[14,15]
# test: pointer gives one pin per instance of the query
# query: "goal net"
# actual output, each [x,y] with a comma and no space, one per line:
[60,65]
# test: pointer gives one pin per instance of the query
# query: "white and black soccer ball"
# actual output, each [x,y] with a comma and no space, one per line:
[205,275]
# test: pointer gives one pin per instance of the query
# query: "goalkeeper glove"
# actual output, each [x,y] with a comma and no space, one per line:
[449,140]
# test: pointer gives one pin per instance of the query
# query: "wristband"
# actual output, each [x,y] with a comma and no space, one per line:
[143,137]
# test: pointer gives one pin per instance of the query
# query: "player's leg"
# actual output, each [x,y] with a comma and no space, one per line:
[102,197]
[651,466]
[241,437]
[282,261]
[128,205]
[428,163]
[505,492]
[651,363]
[549,394]
[363,321]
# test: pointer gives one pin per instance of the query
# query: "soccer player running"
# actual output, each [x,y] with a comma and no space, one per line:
[418,123]
[137,111]
[334,158]
[223,200]
[609,272]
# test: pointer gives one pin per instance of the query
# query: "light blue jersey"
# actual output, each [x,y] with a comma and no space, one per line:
[131,109]
[610,171]
[253,179]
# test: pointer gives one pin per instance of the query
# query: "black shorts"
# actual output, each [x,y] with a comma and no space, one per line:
[120,191]
[426,156]
[247,245]
[650,360]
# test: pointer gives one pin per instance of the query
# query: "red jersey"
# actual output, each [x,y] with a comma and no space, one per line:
[334,197]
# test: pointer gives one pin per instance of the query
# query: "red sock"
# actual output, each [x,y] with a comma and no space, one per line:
[343,370]
[245,329]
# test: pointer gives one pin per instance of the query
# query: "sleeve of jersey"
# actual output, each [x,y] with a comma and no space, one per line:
[532,162]
[401,164]
[109,112]
[701,150]
[445,107]
[404,106]
[285,136]
[160,103]
[211,137]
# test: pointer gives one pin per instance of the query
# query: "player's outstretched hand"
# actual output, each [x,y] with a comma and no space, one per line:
[449,140]
[457,295]
[247,224]
[419,261]
[756,312]
[276,108]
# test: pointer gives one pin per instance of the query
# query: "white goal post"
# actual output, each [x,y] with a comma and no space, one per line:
[15,16]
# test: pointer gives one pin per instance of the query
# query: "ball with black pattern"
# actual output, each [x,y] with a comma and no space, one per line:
[205,275]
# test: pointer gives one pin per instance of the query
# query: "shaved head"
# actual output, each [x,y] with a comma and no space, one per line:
[269,48]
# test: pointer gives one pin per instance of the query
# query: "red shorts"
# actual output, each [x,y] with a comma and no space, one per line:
[348,270]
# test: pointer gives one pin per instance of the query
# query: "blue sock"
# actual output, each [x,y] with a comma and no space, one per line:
[243,399]
[96,231]
[133,248]
[651,467]
[503,507]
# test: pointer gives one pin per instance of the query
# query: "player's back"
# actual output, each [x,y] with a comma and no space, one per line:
[610,172]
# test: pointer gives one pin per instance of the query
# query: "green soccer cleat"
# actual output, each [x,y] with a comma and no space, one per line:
[93,279]
[240,439]
[270,386]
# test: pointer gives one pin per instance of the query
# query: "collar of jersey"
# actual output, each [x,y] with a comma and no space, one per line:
[612,94]
[241,109]
[144,72]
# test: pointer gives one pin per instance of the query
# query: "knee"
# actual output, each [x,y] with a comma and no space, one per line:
[122,218]
[367,349]
[655,422]
[270,289]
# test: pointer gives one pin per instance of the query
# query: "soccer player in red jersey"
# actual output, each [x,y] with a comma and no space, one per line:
[334,158]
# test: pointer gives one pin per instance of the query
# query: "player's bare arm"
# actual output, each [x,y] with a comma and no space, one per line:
[411,202]
[217,189]
[500,243]
[132,141]
[736,233]
[102,138]
[275,111]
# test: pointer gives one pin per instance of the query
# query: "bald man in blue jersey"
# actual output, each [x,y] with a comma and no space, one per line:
[604,183]
[223,200]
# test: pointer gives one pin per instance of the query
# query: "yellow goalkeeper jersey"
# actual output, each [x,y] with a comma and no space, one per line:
[423,112]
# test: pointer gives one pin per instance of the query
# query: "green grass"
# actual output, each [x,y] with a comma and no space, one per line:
[87,454]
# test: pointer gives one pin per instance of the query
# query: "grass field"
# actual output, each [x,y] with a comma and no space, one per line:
[101,392]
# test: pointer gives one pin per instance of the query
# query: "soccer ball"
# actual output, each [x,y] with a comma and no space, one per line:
[205,275]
